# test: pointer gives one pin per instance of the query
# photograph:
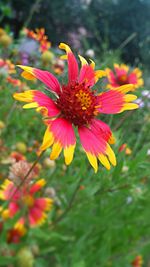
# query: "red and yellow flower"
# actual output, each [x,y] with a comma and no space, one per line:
[25,200]
[15,82]
[40,37]
[29,33]
[17,156]
[138,261]
[122,75]
[7,65]
[44,46]
[17,232]
[125,148]
[76,106]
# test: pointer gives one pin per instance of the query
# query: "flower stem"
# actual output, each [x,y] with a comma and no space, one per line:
[128,114]
[70,204]
[111,190]
[34,8]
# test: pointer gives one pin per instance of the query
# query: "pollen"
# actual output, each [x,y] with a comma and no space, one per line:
[77,103]
[28,200]
[84,99]
[122,79]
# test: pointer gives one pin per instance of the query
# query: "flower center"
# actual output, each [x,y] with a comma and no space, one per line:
[122,79]
[28,200]
[77,103]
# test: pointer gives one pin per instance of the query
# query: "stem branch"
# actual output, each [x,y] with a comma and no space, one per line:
[70,204]
[26,176]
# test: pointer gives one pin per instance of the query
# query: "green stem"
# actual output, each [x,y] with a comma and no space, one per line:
[128,114]
[111,190]
[70,204]
[32,11]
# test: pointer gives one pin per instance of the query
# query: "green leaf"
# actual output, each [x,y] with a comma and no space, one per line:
[6,260]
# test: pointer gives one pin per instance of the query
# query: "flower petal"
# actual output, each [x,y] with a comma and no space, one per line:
[138,72]
[43,203]
[48,139]
[38,100]
[44,76]
[64,136]
[83,61]
[13,208]
[72,63]
[87,75]
[120,70]
[101,129]
[93,161]
[111,78]
[111,155]
[60,133]
[115,101]
[95,146]
[56,150]
[37,186]
[104,161]
[36,216]
[132,78]
[68,154]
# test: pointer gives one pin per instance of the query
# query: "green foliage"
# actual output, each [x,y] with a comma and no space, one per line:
[106,215]
[98,219]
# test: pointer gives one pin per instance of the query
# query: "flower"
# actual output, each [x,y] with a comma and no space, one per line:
[148,152]
[24,257]
[40,37]
[5,40]
[76,106]
[17,156]
[2,125]
[122,75]
[21,147]
[90,53]
[15,82]
[140,102]
[47,57]
[2,32]
[6,66]
[40,34]
[29,33]
[43,40]
[19,169]
[58,66]
[18,231]
[125,148]
[145,93]
[25,200]
[44,46]
[125,168]
[138,261]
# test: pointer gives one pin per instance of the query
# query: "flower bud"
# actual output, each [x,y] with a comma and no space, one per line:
[90,53]
[21,147]
[2,125]
[48,163]
[2,32]
[35,249]
[5,40]
[47,57]
[25,258]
